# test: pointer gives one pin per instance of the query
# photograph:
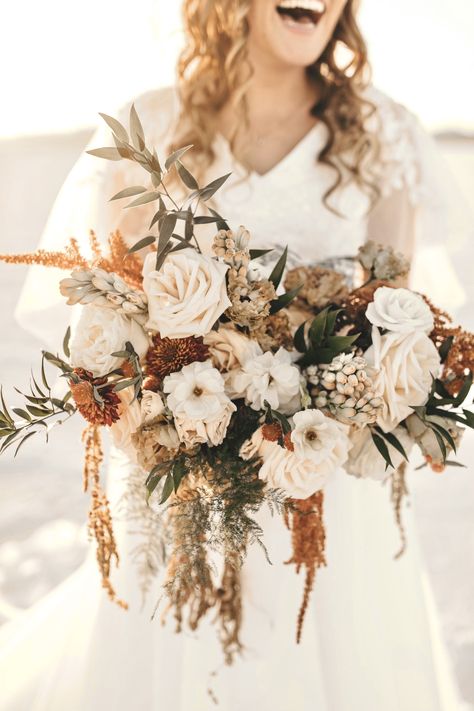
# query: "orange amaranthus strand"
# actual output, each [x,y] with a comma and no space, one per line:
[100,519]
[304,518]
[118,260]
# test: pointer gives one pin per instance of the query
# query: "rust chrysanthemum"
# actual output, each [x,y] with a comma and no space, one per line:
[97,411]
[169,355]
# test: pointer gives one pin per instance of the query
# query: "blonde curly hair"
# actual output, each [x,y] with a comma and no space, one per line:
[214,69]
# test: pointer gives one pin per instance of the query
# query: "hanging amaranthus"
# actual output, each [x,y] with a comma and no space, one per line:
[304,518]
[398,494]
[100,519]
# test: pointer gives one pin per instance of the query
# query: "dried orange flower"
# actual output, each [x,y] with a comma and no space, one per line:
[82,384]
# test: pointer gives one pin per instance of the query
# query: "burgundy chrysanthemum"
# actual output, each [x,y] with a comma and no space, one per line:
[169,355]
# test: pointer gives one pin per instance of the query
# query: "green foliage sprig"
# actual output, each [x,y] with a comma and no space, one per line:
[318,344]
[133,147]
[40,413]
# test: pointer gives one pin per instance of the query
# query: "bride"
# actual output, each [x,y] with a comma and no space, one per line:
[279,95]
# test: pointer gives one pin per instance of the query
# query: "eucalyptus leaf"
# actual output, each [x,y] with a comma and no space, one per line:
[129,192]
[25,438]
[116,127]
[141,244]
[394,441]
[299,339]
[209,190]
[257,253]
[144,199]
[136,129]
[171,160]
[445,348]
[188,179]
[66,340]
[108,153]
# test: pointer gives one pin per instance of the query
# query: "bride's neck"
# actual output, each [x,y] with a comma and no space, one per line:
[275,89]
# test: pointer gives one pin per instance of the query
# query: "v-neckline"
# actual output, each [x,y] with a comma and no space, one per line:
[253,174]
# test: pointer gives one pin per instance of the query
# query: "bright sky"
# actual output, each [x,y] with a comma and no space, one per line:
[61,62]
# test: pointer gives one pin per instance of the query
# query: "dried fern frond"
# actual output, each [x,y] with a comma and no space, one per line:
[147,526]
[100,519]
[118,260]
[304,518]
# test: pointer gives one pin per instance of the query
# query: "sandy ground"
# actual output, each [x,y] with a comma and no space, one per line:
[42,509]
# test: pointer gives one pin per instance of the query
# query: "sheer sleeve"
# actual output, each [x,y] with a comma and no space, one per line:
[83,204]
[421,211]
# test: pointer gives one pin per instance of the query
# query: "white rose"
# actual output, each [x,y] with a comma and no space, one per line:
[282,469]
[197,399]
[285,470]
[405,363]
[152,406]
[101,332]
[229,348]
[400,311]
[187,295]
[366,462]
[270,377]
[212,432]
[319,439]
[130,421]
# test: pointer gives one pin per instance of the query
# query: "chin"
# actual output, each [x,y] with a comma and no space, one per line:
[294,32]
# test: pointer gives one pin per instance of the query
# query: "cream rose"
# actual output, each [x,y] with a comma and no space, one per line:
[152,406]
[366,462]
[405,363]
[319,439]
[269,377]
[400,311]
[229,348]
[300,477]
[187,295]
[197,399]
[101,332]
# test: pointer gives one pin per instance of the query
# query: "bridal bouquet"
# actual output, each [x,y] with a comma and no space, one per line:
[231,385]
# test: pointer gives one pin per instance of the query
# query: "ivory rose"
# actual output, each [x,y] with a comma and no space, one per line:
[229,348]
[152,406]
[101,332]
[198,401]
[292,472]
[365,461]
[319,439]
[400,311]
[405,363]
[187,295]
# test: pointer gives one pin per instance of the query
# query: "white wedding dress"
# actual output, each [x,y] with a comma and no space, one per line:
[370,641]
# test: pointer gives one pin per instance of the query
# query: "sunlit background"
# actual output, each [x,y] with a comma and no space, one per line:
[63,62]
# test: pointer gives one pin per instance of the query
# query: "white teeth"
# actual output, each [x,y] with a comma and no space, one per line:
[314,5]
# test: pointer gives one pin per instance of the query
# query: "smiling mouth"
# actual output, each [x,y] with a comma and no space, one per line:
[302,12]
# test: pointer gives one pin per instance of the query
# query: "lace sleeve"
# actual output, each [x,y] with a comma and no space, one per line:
[421,211]
[83,204]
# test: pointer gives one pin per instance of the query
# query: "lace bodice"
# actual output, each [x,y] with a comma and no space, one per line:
[283,207]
